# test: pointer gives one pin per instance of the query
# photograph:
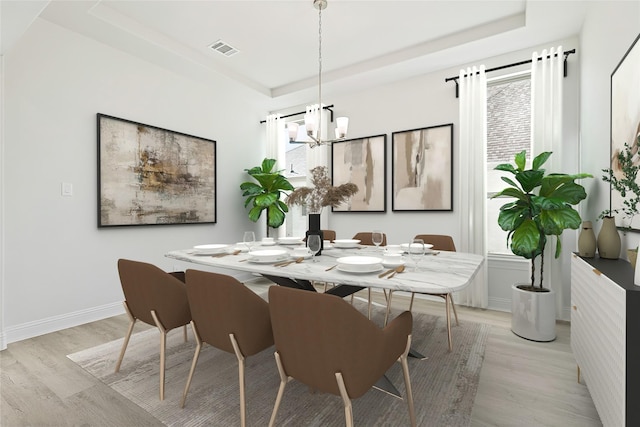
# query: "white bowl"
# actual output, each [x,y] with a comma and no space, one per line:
[268,255]
[415,248]
[346,243]
[359,264]
[210,249]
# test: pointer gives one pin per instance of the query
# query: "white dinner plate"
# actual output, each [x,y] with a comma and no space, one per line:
[352,269]
[290,240]
[267,243]
[427,247]
[210,249]
[306,256]
[346,243]
[268,261]
[359,264]
[391,264]
[268,255]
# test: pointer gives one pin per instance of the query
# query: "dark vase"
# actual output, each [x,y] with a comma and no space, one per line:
[314,228]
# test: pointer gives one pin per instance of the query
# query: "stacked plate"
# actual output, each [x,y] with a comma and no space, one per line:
[346,243]
[416,247]
[268,256]
[212,249]
[290,240]
[359,264]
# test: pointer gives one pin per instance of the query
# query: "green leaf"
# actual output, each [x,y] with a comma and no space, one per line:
[511,192]
[265,200]
[254,213]
[525,240]
[530,179]
[540,159]
[510,182]
[521,160]
[511,218]
[275,215]
[505,167]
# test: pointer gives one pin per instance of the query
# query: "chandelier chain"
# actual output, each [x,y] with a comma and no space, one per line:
[319,72]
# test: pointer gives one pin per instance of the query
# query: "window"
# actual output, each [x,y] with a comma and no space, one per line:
[508,133]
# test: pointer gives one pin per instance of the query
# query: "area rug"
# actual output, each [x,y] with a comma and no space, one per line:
[444,384]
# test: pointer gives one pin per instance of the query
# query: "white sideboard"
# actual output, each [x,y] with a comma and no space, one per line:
[605,336]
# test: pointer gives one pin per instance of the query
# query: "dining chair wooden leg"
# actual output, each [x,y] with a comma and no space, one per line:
[193,363]
[185,333]
[448,310]
[163,347]
[386,316]
[407,382]
[241,382]
[132,322]
[369,307]
[283,382]
[348,410]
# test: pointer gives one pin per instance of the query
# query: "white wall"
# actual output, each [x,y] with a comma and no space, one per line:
[59,268]
[608,31]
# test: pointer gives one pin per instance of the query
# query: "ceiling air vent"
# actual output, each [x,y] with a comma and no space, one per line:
[223,48]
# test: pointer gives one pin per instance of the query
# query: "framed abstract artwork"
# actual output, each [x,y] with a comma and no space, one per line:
[153,176]
[362,161]
[422,169]
[625,119]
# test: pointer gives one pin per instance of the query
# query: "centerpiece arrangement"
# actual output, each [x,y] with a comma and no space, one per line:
[320,195]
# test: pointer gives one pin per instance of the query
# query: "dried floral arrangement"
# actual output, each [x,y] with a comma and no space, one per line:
[322,194]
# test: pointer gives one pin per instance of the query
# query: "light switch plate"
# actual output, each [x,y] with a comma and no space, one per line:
[67,189]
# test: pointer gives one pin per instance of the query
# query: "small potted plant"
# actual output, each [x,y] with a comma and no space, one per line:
[542,208]
[265,194]
[623,179]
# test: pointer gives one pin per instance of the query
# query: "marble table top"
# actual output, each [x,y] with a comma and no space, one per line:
[438,273]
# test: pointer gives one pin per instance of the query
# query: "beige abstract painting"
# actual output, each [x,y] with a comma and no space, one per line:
[423,169]
[363,162]
[153,176]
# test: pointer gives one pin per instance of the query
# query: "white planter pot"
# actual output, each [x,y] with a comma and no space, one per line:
[533,314]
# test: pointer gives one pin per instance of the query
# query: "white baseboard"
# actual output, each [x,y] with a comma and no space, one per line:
[56,323]
[499,304]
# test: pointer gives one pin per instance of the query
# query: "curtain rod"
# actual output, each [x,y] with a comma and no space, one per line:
[326,107]
[515,64]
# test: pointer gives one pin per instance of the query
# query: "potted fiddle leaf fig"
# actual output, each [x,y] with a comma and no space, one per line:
[542,210]
[266,192]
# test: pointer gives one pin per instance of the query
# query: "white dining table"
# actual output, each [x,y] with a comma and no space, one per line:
[438,272]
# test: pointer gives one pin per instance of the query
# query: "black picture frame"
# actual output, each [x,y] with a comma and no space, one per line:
[153,176]
[422,169]
[625,121]
[362,161]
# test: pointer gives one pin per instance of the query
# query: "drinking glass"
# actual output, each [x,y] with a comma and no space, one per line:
[416,252]
[249,239]
[314,242]
[376,238]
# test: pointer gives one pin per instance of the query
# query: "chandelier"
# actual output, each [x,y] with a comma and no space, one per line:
[313,121]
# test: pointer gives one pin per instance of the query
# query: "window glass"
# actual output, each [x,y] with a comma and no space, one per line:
[508,133]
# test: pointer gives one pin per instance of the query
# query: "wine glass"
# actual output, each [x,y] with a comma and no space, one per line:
[314,242]
[376,238]
[416,252]
[249,239]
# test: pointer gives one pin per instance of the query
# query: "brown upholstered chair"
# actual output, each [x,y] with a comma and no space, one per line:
[440,242]
[325,343]
[366,239]
[156,298]
[229,316]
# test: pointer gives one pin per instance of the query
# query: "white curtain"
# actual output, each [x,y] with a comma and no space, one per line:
[275,150]
[546,135]
[473,165]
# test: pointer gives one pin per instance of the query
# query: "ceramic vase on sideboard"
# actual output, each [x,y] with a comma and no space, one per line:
[587,241]
[609,239]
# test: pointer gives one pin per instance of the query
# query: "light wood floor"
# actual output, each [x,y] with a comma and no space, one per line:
[522,383]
